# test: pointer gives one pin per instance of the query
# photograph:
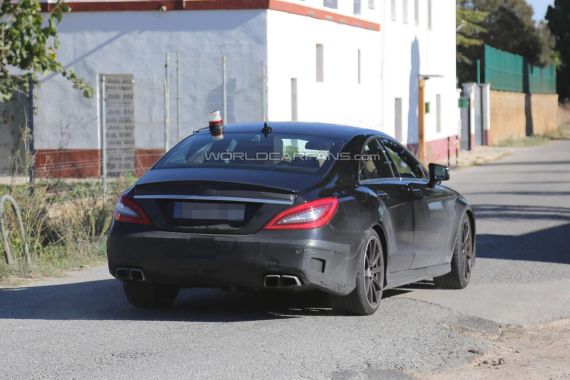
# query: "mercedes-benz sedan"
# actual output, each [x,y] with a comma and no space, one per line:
[290,207]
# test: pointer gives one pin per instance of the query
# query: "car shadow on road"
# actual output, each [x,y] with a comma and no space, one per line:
[523,213]
[528,163]
[104,300]
[551,245]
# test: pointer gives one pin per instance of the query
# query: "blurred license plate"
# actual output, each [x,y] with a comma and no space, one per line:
[209,211]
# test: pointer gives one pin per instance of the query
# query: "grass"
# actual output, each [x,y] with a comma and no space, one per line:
[562,133]
[525,142]
[66,225]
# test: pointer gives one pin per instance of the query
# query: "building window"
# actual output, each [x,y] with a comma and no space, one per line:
[320,63]
[331,3]
[430,14]
[294,100]
[417,11]
[405,10]
[357,7]
[438,112]
[393,9]
[398,119]
[359,62]
[371,4]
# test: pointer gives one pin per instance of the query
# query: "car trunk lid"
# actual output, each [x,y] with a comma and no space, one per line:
[216,200]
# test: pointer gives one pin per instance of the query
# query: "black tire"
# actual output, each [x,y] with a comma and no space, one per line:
[149,296]
[365,298]
[462,261]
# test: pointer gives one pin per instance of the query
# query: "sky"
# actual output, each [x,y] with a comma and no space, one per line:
[540,7]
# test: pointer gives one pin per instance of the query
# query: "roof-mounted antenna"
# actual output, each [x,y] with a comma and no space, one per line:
[266,129]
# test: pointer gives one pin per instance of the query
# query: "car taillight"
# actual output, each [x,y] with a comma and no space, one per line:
[307,216]
[128,211]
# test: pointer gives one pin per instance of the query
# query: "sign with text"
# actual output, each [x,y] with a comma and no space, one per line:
[119,124]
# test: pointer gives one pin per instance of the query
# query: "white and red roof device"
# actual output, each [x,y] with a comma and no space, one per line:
[216,125]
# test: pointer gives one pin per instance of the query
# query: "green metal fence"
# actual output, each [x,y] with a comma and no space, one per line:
[511,72]
[542,80]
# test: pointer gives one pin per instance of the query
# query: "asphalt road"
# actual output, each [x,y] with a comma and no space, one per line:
[81,326]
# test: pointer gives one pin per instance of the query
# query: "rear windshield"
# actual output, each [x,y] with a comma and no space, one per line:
[295,153]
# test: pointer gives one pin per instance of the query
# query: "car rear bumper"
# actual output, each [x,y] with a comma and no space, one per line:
[319,259]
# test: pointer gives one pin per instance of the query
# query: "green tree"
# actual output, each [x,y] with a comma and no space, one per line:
[469,30]
[509,26]
[558,18]
[28,46]
[469,40]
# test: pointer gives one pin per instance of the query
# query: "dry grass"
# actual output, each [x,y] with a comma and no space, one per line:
[66,226]
[564,121]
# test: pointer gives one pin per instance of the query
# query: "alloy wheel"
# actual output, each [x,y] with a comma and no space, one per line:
[467,247]
[373,271]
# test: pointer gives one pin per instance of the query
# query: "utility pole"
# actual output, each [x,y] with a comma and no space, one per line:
[421,120]
[422,79]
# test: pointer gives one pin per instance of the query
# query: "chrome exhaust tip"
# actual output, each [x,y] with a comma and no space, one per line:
[271,281]
[137,275]
[275,281]
[290,282]
[129,274]
[123,274]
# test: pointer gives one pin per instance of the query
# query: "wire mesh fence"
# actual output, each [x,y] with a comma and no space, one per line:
[13,123]
[133,119]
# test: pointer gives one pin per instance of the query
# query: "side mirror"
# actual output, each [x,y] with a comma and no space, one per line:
[438,173]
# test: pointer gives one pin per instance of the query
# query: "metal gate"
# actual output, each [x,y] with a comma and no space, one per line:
[13,119]
[465,107]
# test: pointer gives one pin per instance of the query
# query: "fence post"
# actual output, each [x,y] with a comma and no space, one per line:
[469,91]
[224,89]
[166,107]
[263,92]
[478,71]
[178,96]
[32,149]
[486,112]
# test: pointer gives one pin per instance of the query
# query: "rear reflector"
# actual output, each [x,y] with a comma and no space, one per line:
[307,216]
[128,211]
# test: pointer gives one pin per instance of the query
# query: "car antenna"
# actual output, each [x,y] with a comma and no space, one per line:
[266,129]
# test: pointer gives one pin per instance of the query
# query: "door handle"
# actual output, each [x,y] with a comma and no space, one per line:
[417,193]
[382,195]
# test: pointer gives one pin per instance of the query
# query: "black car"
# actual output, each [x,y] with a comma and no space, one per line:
[290,206]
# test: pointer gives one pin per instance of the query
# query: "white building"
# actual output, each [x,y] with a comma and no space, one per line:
[351,62]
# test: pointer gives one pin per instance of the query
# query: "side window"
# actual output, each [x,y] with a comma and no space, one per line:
[405,163]
[373,162]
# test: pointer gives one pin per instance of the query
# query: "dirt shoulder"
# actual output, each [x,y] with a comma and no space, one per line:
[538,352]
[481,155]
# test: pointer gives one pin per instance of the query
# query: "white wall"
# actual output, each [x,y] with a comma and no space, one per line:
[412,49]
[93,43]
[339,98]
